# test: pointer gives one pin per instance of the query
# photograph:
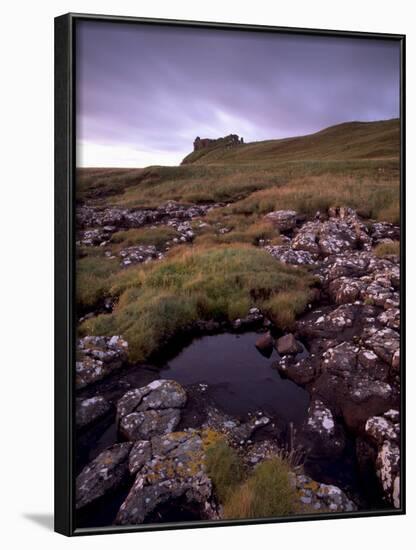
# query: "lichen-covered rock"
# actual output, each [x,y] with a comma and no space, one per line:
[288,255]
[104,474]
[140,453]
[322,497]
[151,410]
[126,218]
[89,410]
[324,437]
[146,424]
[175,470]
[384,432]
[385,343]
[139,254]
[283,220]
[97,357]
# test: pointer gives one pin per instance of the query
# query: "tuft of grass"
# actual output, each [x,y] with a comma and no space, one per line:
[387,249]
[267,493]
[146,236]
[225,468]
[161,299]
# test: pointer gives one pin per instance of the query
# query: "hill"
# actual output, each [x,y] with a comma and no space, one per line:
[347,141]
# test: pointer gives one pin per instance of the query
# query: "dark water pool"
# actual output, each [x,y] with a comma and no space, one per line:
[241,380]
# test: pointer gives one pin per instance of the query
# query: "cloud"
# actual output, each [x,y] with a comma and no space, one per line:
[144,92]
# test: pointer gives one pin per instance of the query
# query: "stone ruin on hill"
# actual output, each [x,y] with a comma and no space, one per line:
[230,140]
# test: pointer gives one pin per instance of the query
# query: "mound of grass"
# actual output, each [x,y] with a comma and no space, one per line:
[156,236]
[387,249]
[225,468]
[160,299]
[267,493]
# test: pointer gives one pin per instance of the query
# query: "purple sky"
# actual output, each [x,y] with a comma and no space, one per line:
[145,92]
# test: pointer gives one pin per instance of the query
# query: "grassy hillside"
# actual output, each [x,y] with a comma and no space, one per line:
[353,163]
[351,140]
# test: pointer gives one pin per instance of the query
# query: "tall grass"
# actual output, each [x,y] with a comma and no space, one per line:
[268,492]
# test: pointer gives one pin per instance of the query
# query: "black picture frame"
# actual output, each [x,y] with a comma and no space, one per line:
[65,132]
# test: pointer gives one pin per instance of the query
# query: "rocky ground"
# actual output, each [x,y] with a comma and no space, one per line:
[345,351]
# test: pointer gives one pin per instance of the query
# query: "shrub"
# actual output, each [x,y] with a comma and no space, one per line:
[268,492]
[224,467]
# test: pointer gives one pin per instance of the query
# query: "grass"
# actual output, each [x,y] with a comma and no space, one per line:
[161,299]
[387,249]
[268,492]
[93,276]
[146,236]
[373,198]
[351,140]
[225,468]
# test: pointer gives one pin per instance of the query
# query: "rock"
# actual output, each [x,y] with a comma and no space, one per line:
[140,453]
[287,255]
[243,432]
[104,474]
[97,357]
[151,410]
[301,372]
[283,220]
[385,343]
[320,496]
[89,410]
[388,470]
[323,436]
[384,433]
[139,254]
[127,218]
[146,424]
[175,470]
[265,344]
[287,344]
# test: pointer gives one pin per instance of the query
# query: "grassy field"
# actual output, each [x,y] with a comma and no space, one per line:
[157,300]
[224,273]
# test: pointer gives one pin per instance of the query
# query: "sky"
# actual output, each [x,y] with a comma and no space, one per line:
[144,92]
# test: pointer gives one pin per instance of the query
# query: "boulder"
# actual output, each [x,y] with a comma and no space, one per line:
[104,474]
[151,410]
[89,410]
[265,344]
[323,436]
[322,497]
[97,357]
[383,432]
[175,470]
[287,345]
[283,220]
